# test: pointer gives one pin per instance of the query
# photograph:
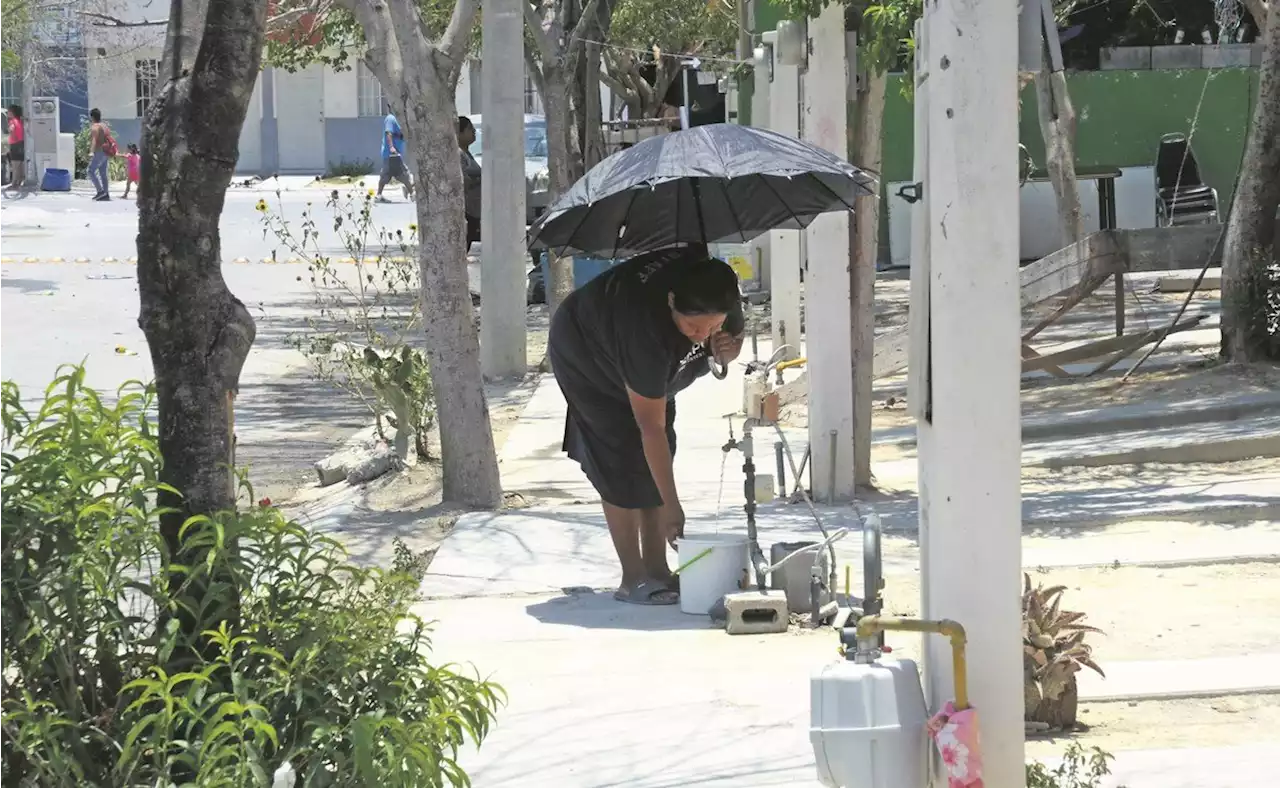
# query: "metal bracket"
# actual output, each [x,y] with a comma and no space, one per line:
[912,192]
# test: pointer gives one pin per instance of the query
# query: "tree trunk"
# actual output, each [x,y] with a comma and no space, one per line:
[198,333]
[868,127]
[1250,280]
[1058,127]
[585,106]
[470,465]
[564,165]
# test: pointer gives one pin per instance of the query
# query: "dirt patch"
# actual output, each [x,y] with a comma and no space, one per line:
[1157,725]
[1148,613]
[407,506]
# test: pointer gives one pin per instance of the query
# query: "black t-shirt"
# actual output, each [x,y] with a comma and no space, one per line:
[627,335]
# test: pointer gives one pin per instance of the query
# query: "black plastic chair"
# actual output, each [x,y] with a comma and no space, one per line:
[1182,196]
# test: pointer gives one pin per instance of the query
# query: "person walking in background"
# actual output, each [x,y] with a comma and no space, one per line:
[101,148]
[17,149]
[133,168]
[393,157]
[470,179]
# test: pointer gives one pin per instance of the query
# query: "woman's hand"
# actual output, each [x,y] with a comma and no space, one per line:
[725,347]
[671,523]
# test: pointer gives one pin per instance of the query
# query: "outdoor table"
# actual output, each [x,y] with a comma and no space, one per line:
[1106,176]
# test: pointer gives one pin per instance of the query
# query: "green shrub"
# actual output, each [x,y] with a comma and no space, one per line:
[116,168]
[1079,769]
[349,169]
[320,664]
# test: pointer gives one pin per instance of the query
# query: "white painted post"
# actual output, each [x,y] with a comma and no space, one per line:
[502,215]
[969,436]
[462,94]
[828,312]
[762,117]
[784,245]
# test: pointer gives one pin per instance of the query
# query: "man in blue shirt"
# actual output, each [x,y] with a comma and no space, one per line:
[393,157]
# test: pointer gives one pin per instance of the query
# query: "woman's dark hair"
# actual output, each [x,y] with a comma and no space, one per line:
[704,286]
[95,115]
[15,111]
[464,123]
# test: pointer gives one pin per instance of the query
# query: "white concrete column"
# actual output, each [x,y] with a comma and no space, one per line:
[970,438]
[761,117]
[502,215]
[784,245]
[462,94]
[828,313]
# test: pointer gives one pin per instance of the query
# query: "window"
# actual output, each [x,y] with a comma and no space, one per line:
[12,90]
[146,76]
[532,101]
[370,102]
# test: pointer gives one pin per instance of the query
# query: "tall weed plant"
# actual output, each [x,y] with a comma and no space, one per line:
[367,316]
[321,671]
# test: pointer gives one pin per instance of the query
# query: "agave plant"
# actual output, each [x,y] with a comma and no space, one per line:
[1054,651]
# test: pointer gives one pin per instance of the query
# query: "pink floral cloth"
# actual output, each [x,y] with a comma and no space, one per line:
[956,734]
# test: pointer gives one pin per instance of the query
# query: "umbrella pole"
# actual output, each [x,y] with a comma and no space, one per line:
[696,187]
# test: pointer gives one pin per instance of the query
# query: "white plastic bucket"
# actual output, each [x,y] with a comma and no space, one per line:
[717,573]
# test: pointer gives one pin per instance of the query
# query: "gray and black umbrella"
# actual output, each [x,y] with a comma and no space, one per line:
[720,183]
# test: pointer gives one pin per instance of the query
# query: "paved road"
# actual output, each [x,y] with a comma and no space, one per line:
[54,313]
[72,226]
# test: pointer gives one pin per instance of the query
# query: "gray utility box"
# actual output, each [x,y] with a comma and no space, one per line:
[793,577]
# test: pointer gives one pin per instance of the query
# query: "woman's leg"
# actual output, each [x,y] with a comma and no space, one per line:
[653,545]
[633,542]
[624,529]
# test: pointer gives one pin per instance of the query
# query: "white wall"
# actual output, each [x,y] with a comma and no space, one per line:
[1135,209]
[112,78]
[341,93]
[251,133]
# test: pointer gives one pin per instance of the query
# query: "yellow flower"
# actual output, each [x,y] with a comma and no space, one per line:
[413,228]
[261,207]
[370,194]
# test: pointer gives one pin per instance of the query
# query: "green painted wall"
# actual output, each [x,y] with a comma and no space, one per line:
[1122,115]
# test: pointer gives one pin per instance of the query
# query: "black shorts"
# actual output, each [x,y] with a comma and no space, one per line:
[393,166]
[17,151]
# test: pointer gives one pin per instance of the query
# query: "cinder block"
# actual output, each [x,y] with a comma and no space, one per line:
[756,613]
[1175,56]
[1255,57]
[1226,56]
[1125,58]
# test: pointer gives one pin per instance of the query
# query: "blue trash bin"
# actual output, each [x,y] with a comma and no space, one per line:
[584,269]
[56,180]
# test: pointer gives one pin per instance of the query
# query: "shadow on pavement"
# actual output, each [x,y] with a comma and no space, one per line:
[591,609]
[29,286]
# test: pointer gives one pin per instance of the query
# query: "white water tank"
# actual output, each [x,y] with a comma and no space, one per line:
[867,725]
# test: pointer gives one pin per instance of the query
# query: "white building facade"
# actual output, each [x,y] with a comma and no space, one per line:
[307,122]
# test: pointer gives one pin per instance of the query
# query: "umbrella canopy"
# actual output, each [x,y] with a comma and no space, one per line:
[721,183]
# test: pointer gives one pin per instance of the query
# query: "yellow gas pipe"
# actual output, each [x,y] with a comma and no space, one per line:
[795,362]
[872,625]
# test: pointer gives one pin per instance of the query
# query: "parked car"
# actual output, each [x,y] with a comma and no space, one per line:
[536,174]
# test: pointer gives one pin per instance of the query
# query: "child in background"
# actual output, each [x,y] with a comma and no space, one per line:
[133,167]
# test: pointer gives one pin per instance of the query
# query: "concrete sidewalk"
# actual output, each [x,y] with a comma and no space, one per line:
[605,694]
